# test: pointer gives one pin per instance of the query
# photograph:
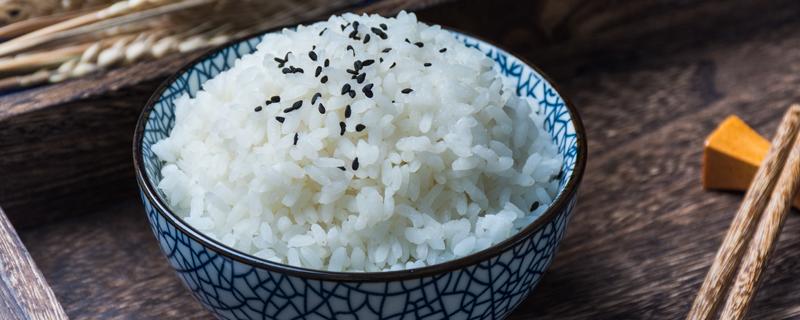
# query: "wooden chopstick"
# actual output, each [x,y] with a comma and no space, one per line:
[741,230]
[766,235]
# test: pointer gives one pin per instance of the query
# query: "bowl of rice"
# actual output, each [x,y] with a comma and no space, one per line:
[359,167]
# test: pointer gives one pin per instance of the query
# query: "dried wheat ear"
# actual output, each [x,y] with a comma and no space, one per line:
[55,40]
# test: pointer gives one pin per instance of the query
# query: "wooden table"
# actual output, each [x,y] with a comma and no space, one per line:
[651,80]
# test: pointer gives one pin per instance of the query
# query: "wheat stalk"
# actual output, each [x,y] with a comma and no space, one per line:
[39,60]
[15,82]
[35,23]
[73,44]
[117,14]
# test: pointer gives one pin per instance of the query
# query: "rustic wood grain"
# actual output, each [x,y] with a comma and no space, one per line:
[108,265]
[75,156]
[740,233]
[644,232]
[24,293]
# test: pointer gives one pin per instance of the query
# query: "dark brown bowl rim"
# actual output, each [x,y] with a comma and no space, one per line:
[559,205]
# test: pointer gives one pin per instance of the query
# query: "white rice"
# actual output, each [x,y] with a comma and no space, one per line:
[444,171]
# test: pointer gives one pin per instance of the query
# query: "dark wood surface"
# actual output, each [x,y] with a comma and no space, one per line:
[24,292]
[651,79]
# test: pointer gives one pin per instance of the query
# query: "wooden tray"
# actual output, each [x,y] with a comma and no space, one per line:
[651,79]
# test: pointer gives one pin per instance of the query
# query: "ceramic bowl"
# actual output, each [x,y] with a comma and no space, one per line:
[233,285]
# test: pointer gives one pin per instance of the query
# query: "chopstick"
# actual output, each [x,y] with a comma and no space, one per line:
[766,235]
[741,230]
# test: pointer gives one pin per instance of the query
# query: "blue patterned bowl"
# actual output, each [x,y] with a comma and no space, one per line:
[234,285]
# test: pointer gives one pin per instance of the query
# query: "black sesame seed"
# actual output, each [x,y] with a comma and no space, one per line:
[407,41]
[534,205]
[351,71]
[318,71]
[366,38]
[353,34]
[327,63]
[280,119]
[360,127]
[386,50]
[315,97]
[358,64]
[345,88]
[312,55]
[442,49]
[407,90]
[342,168]
[355,163]
[352,94]
[367,62]
[344,26]
[257,109]
[360,78]
[295,138]
[349,47]
[286,70]
[324,79]
[383,26]
[347,111]
[323,31]
[393,64]
[298,70]
[342,127]
[393,101]
[427,64]
[296,105]
[419,44]
[379,33]
[321,108]
[380,60]
[355,25]
[285,59]
[275,99]
[367,90]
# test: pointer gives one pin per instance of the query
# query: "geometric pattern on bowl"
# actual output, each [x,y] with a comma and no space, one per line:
[486,285]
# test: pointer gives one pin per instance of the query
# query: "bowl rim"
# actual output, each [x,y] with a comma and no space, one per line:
[146,187]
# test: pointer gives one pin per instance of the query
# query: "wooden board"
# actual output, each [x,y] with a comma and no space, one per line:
[24,293]
[644,231]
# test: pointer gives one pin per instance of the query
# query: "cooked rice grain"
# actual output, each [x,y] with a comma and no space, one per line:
[435,158]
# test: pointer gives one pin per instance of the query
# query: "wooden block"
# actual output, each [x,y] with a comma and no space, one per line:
[24,293]
[732,154]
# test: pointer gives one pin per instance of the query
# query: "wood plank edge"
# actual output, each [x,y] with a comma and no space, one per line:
[24,291]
